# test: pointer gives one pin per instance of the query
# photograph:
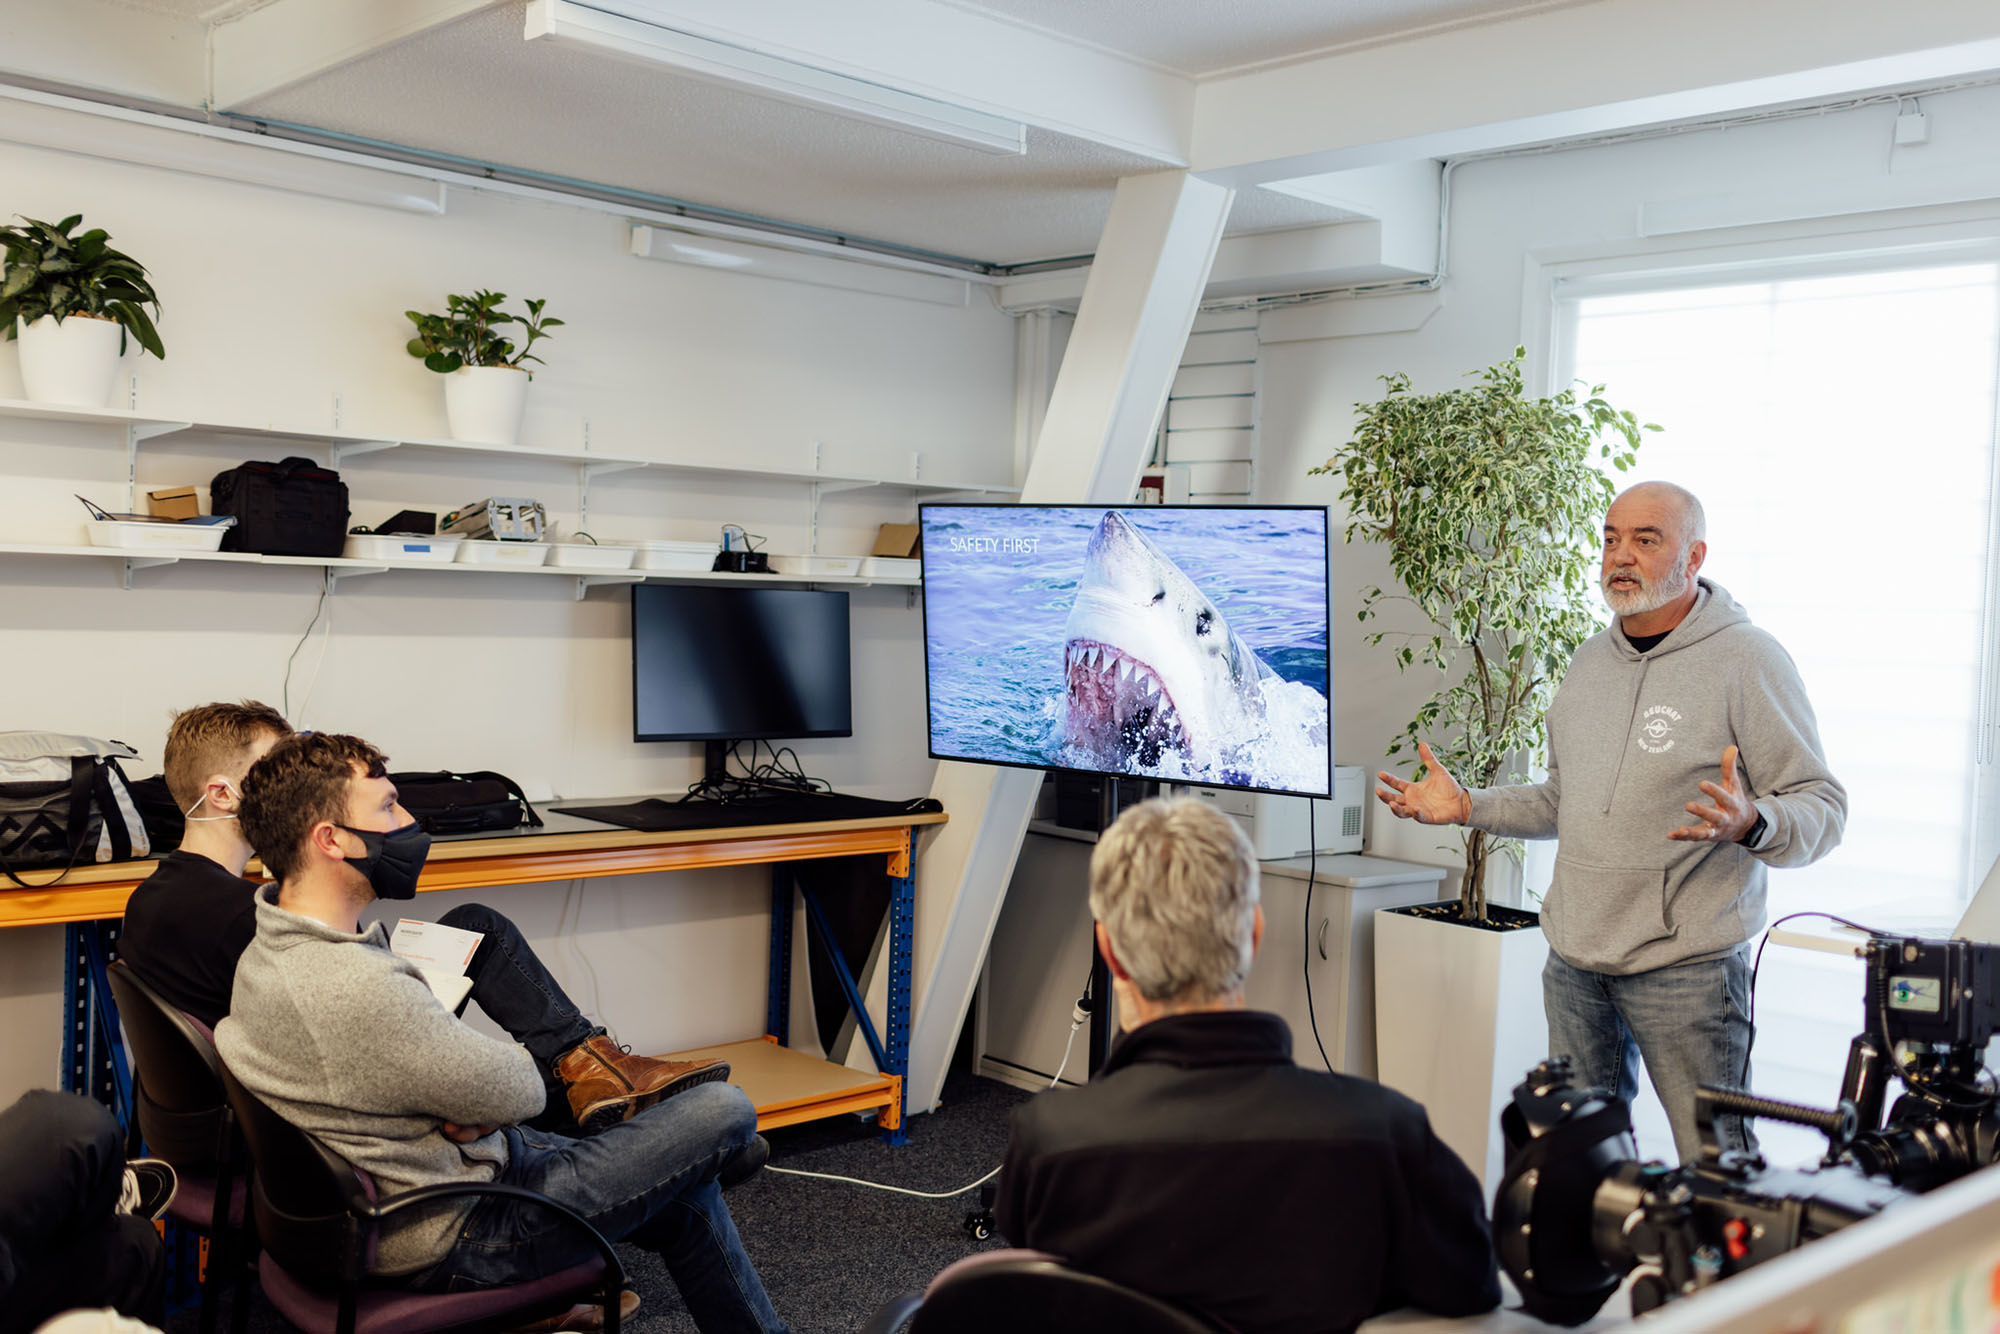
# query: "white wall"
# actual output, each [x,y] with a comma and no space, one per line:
[1508,217]
[274,304]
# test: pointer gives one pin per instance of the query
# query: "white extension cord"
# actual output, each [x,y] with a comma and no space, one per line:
[1077,1017]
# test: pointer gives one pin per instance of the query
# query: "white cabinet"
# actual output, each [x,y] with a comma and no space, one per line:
[1335,943]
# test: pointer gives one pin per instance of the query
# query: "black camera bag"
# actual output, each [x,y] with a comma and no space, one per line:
[64,802]
[292,507]
[453,803]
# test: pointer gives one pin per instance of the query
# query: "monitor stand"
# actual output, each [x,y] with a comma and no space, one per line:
[1100,974]
[715,764]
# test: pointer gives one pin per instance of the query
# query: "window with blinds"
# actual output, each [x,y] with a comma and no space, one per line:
[1839,429]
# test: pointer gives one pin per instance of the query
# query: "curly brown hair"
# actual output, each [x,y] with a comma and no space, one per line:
[215,739]
[302,782]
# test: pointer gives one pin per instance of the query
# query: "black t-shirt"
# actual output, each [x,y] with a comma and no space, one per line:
[185,928]
[1647,643]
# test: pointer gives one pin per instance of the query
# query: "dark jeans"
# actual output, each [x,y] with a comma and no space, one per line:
[650,1181]
[62,1161]
[515,990]
[1690,1023]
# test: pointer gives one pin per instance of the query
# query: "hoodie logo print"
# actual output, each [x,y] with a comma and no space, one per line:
[1656,727]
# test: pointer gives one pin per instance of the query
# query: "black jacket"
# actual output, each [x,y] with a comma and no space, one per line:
[185,927]
[1202,1166]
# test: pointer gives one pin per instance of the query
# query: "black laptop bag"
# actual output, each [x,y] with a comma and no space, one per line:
[453,803]
[292,507]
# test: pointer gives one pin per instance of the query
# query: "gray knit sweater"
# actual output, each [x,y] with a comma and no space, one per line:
[1631,737]
[345,1040]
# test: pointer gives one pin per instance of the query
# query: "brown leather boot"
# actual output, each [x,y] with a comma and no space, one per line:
[607,1085]
[583,1317]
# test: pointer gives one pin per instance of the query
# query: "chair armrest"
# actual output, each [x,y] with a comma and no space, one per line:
[893,1314]
[614,1271]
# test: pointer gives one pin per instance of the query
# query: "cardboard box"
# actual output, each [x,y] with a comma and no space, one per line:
[898,539]
[179,502]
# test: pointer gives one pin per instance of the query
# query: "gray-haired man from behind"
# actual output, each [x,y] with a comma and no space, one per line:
[1648,919]
[1200,1164]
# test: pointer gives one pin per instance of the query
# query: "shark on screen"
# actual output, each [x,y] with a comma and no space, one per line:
[1153,675]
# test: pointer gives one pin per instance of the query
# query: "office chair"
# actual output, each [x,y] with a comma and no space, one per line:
[317,1218]
[181,1112]
[1000,1292]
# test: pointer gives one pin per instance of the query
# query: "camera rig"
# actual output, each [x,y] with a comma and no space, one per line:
[1576,1211]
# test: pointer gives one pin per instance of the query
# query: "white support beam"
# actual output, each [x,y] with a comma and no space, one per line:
[1573,71]
[128,51]
[271,48]
[1152,263]
[953,55]
[1400,246]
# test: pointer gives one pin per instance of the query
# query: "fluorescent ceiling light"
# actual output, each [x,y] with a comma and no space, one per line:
[709,252]
[568,23]
[119,134]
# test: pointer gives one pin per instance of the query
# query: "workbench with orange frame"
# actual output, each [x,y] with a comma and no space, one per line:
[786,1086]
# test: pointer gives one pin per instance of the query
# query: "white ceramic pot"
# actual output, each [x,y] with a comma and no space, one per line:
[75,362]
[484,403]
[1458,1023]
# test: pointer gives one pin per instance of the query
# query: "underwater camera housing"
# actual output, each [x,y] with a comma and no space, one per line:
[1577,1212]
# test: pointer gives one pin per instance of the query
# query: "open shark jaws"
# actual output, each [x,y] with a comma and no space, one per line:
[1155,678]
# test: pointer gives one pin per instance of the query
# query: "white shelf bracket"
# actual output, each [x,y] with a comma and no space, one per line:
[333,574]
[355,448]
[586,582]
[585,473]
[132,563]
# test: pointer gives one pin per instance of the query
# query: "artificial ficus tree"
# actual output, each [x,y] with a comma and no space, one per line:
[1491,504]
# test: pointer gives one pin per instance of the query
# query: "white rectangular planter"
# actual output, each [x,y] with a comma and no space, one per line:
[1458,1023]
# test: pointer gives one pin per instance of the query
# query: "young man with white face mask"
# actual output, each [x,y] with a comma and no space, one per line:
[191,919]
[1650,912]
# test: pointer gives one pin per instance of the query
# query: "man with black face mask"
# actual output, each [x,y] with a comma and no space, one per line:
[347,1042]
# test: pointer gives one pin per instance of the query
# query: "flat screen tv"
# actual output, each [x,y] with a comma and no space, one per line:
[723,664]
[1180,643]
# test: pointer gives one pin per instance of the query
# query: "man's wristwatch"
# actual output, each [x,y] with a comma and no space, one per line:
[1756,832]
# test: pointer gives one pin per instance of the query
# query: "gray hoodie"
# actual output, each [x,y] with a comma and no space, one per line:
[1631,737]
[347,1042]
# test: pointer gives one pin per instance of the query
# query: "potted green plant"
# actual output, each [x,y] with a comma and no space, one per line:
[72,301]
[486,384]
[1489,503]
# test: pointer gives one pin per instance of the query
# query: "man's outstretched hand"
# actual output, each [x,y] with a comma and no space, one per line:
[1438,799]
[1732,814]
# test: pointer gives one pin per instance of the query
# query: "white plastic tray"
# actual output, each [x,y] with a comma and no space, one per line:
[891,567]
[133,534]
[389,546]
[815,564]
[586,556]
[481,551]
[684,556]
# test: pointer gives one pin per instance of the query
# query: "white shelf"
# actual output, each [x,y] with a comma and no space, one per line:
[342,567]
[342,446]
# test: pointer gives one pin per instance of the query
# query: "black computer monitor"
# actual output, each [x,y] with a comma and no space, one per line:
[727,664]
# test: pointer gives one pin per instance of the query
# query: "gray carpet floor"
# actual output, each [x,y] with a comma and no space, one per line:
[829,1253]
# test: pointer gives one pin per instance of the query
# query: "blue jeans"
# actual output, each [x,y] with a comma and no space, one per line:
[650,1181]
[510,984]
[1690,1023]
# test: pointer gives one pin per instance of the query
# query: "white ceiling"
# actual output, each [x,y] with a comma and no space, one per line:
[1107,88]
[474,88]
[1201,38]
